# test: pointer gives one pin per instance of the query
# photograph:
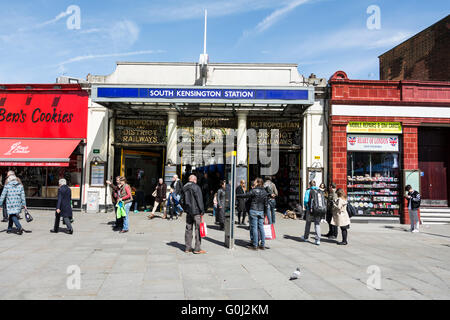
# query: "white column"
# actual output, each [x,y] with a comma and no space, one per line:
[172,138]
[241,152]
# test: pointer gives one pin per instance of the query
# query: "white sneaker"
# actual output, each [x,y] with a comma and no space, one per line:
[415,230]
[318,242]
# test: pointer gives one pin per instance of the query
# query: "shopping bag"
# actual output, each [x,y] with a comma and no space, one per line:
[269,230]
[120,210]
[28,216]
[203,228]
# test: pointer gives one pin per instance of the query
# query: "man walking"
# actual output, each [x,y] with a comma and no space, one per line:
[271,189]
[192,202]
[63,207]
[413,206]
[315,206]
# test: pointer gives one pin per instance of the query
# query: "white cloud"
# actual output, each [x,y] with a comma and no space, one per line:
[124,32]
[106,55]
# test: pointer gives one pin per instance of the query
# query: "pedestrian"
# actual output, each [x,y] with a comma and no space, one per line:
[241,207]
[177,187]
[123,195]
[259,202]
[340,215]
[205,191]
[160,199]
[214,205]
[331,199]
[413,206]
[14,196]
[63,207]
[220,213]
[172,204]
[273,193]
[5,212]
[313,196]
[114,198]
[322,187]
[140,193]
[192,202]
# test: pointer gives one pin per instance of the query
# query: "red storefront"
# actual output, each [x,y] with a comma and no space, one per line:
[383,133]
[43,130]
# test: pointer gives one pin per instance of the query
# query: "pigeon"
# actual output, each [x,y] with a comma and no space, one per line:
[295,275]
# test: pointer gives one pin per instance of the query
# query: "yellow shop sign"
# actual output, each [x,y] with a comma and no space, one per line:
[374,127]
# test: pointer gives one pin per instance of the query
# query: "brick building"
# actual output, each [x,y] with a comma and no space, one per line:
[424,56]
[381,131]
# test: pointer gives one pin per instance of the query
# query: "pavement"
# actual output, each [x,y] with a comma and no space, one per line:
[381,262]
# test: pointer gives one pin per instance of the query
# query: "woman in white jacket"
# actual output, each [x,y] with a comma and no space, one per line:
[340,215]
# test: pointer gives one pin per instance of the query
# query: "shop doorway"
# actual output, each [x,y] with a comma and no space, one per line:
[434,162]
[142,169]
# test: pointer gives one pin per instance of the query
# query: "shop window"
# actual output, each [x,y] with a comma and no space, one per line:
[373,182]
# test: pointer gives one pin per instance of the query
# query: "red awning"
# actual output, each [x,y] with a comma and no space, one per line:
[36,152]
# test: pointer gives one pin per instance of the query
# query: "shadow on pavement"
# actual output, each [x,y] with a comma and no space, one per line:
[219,243]
[177,245]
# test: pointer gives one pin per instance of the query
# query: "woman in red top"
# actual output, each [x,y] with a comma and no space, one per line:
[123,193]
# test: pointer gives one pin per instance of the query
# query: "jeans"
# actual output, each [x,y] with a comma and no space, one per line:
[316,219]
[414,219]
[192,225]
[214,210]
[257,227]
[13,219]
[125,219]
[271,211]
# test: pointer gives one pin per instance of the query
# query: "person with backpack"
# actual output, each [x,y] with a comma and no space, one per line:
[341,217]
[413,206]
[271,189]
[316,209]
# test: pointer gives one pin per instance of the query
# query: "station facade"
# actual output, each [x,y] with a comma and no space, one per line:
[136,115]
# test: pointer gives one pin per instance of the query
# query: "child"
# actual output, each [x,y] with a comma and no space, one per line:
[173,203]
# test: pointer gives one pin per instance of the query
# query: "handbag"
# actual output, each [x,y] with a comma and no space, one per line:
[269,230]
[203,228]
[154,194]
[28,216]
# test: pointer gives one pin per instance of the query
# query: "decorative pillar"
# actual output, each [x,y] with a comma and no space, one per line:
[171,162]
[241,154]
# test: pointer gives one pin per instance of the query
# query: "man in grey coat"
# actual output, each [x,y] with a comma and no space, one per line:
[192,202]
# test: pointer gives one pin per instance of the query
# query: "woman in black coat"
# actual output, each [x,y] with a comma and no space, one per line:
[63,207]
[241,203]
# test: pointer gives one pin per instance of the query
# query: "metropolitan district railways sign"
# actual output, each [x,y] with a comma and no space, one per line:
[293,94]
[372,143]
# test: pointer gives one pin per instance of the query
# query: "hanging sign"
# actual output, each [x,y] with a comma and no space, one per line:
[359,142]
[374,127]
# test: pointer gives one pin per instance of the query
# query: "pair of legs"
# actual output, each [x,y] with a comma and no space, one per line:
[257,228]
[344,234]
[414,219]
[271,211]
[172,211]
[193,226]
[125,219]
[220,217]
[66,222]
[14,219]
[309,219]
[155,206]
[243,214]
[332,230]
[140,201]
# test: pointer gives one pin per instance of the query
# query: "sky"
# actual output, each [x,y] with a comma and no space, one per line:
[43,39]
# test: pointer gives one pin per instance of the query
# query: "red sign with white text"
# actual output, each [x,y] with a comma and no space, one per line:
[43,113]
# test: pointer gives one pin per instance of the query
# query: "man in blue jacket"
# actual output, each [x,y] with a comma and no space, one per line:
[310,217]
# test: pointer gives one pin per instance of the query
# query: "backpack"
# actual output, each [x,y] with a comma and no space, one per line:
[351,210]
[318,203]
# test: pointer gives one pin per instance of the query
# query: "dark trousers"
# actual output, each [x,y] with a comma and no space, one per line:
[5,212]
[171,209]
[332,230]
[192,226]
[140,200]
[13,219]
[66,222]
[220,215]
[243,214]
[344,233]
